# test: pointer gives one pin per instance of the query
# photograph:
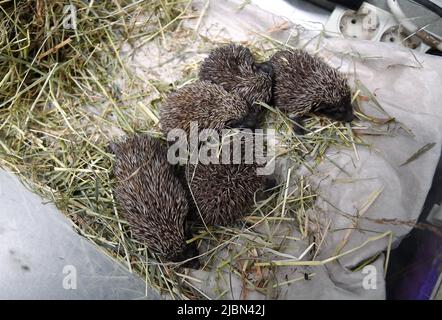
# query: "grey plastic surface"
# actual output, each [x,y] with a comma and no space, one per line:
[42,257]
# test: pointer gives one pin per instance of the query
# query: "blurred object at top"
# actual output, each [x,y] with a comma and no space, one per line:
[415,24]
[407,23]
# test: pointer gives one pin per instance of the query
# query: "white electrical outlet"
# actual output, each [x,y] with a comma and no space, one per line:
[363,24]
[397,34]
[370,23]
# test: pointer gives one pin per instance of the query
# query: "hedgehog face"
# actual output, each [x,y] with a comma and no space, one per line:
[335,96]
[187,252]
[182,253]
[304,83]
[341,111]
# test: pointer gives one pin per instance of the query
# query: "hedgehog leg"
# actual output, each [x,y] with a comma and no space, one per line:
[189,252]
[188,228]
[268,184]
[260,116]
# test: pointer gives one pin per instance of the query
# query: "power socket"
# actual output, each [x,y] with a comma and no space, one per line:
[371,23]
[397,34]
[363,24]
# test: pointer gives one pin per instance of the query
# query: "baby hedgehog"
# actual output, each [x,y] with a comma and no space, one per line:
[151,197]
[233,67]
[303,84]
[223,193]
[206,103]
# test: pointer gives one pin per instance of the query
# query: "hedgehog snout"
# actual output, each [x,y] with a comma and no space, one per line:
[349,116]
[341,112]
[343,116]
[345,112]
[190,252]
